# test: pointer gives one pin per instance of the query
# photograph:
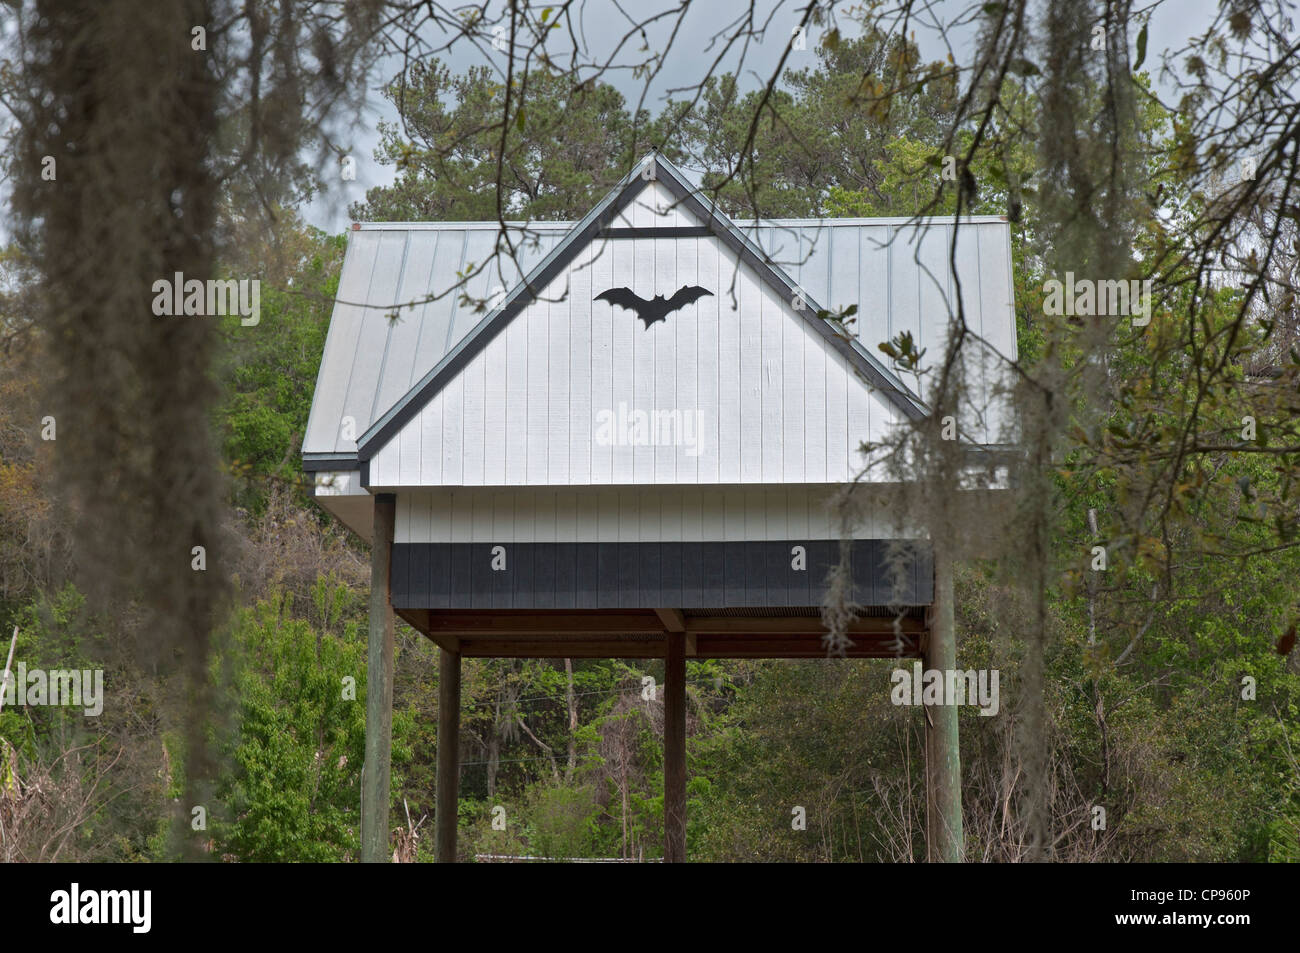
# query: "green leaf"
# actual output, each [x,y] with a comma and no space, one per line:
[1141,48]
[519,119]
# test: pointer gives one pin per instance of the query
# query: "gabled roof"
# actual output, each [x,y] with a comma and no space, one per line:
[380,373]
[578,238]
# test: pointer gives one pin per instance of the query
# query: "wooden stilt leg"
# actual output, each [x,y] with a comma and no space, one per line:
[379,688]
[448,779]
[675,749]
[944,840]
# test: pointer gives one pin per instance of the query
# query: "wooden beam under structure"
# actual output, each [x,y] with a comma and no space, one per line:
[806,647]
[672,619]
[636,633]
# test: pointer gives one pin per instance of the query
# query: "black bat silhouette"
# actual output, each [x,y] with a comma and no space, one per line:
[658,307]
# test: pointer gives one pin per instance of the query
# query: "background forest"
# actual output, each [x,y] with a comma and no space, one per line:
[1172,696]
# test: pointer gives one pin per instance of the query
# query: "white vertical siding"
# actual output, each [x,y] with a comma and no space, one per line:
[602,361]
[665,378]
[537,444]
[777,403]
[625,514]
[773,314]
[453,442]
[717,266]
[749,411]
[642,349]
[838,437]
[580,357]
[510,350]
[697,364]
[567,515]
[622,354]
[497,407]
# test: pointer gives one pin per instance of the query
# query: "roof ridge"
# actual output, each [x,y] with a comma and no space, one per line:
[552,225]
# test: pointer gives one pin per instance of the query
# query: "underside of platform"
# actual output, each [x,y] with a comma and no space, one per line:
[641,633]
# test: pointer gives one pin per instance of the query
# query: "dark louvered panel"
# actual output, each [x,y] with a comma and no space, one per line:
[712,575]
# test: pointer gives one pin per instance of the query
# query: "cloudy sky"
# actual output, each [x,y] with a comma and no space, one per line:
[602,24]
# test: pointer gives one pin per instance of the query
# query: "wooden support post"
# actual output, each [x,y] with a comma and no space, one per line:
[379,688]
[448,779]
[675,749]
[943,836]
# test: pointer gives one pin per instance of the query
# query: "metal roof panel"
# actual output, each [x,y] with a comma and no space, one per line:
[896,270]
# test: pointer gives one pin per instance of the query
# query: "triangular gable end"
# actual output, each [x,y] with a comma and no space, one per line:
[606,215]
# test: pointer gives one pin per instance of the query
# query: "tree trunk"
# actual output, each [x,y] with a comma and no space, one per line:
[573,722]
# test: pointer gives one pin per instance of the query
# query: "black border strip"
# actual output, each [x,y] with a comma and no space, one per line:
[329,461]
[668,231]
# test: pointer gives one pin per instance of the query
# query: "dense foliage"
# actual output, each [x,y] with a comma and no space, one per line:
[1148,712]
